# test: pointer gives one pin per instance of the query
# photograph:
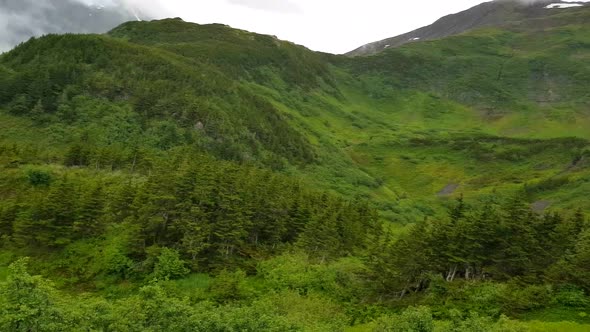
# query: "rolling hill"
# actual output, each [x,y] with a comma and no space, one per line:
[171,176]
[398,127]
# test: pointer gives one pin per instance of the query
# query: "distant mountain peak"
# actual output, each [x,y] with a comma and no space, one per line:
[487,14]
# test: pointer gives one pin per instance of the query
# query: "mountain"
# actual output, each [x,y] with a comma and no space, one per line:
[491,99]
[498,13]
[172,176]
[23,19]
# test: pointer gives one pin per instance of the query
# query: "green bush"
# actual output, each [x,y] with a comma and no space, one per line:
[169,265]
[38,178]
[414,319]
[518,298]
[572,296]
[228,286]
[29,303]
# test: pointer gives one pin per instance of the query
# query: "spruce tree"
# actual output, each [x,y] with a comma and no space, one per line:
[320,237]
[59,211]
[90,213]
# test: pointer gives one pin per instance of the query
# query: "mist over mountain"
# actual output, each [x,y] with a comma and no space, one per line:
[23,19]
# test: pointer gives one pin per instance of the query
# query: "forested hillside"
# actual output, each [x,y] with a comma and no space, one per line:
[170,176]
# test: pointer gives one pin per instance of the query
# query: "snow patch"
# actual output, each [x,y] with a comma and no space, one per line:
[563,5]
[386,46]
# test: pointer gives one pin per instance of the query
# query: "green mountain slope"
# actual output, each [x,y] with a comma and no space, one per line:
[490,14]
[398,127]
[188,177]
[165,87]
[524,83]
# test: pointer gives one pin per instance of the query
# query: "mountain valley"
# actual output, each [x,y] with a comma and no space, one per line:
[242,182]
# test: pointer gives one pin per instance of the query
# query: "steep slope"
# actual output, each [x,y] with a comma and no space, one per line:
[497,13]
[485,111]
[164,89]
[240,54]
[172,176]
[523,82]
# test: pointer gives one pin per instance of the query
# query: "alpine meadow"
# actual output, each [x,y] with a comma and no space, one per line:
[171,176]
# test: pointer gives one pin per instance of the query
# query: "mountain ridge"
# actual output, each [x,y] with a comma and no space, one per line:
[171,176]
[330,119]
[496,13]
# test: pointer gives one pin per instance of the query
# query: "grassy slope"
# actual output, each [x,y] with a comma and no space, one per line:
[397,127]
[416,119]
[477,110]
[521,86]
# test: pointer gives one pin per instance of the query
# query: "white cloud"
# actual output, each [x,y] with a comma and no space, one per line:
[22,19]
[153,8]
[335,26]
[270,5]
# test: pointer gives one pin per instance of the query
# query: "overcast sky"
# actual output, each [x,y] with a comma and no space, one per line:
[334,26]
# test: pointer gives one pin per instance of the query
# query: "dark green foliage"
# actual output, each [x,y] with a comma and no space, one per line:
[497,242]
[169,164]
[573,267]
[237,53]
[172,103]
[214,214]
[38,177]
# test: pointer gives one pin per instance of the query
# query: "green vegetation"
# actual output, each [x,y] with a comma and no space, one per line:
[170,176]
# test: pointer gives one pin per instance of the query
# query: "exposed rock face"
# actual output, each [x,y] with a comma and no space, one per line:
[488,14]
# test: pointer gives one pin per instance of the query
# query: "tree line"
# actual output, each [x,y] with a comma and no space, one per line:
[214,214]
[500,239]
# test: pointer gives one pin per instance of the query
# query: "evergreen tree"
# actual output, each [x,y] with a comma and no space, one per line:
[38,113]
[579,222]
[121,203]
[299,215]
[59,212]
[89,220]
[8,213]
[28,232]
[19,105]
[457,212]
[519,242]
[320,237]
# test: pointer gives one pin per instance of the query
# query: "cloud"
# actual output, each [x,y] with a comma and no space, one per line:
[20,20]
[280,6]
[151,8]
[23,19]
